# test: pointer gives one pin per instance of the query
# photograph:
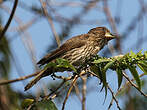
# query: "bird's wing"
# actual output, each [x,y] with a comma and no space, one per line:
[70,44]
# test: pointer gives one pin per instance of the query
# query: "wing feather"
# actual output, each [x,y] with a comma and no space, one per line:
[75,42]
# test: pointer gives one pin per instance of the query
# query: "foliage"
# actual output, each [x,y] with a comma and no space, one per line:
[129,61]
[60,64]
[64,23]
[100,65]
[41,105]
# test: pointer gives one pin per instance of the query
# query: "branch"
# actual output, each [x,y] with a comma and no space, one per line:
[72,85]
[133,84]
[62,83]
[18,79]
[112,93]
[77,91]
[69,91]
[113,97]
[9,20]
[50,21]
[84,92]
[126,84]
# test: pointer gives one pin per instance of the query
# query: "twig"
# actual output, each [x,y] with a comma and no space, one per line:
[57,93]
[133,84]
[77,91]
[18,79]
[84,78]
[50,22]
[30,106]
[127,83]
[69,91]
[9,20]
[113,96]
[23,26]
[46,97]
[110,91]
[26,38]
[62,77]
[64,80]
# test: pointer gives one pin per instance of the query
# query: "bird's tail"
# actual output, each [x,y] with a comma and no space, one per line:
[35,80]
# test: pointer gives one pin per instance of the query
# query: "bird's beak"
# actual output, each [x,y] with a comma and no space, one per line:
[110,36]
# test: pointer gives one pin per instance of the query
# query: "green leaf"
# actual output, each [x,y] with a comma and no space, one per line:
[108,65]
[120,76]
[102,75]
[60,63]
[143,66]
[97,71]
[26,102]
[101,61]
[139,53]
[104,80]
[50,64]
[132,54]
[43,105]
[126,55]
[145,53]
[144,63]
[46,105]
[144,69]
[64,63]
[135,75]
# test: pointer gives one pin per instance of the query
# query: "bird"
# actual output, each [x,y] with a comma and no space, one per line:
[77,50]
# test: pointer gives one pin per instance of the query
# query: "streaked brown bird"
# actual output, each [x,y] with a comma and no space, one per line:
[77,49]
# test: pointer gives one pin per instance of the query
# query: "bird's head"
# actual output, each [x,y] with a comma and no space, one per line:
[101,36]
[102,32]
